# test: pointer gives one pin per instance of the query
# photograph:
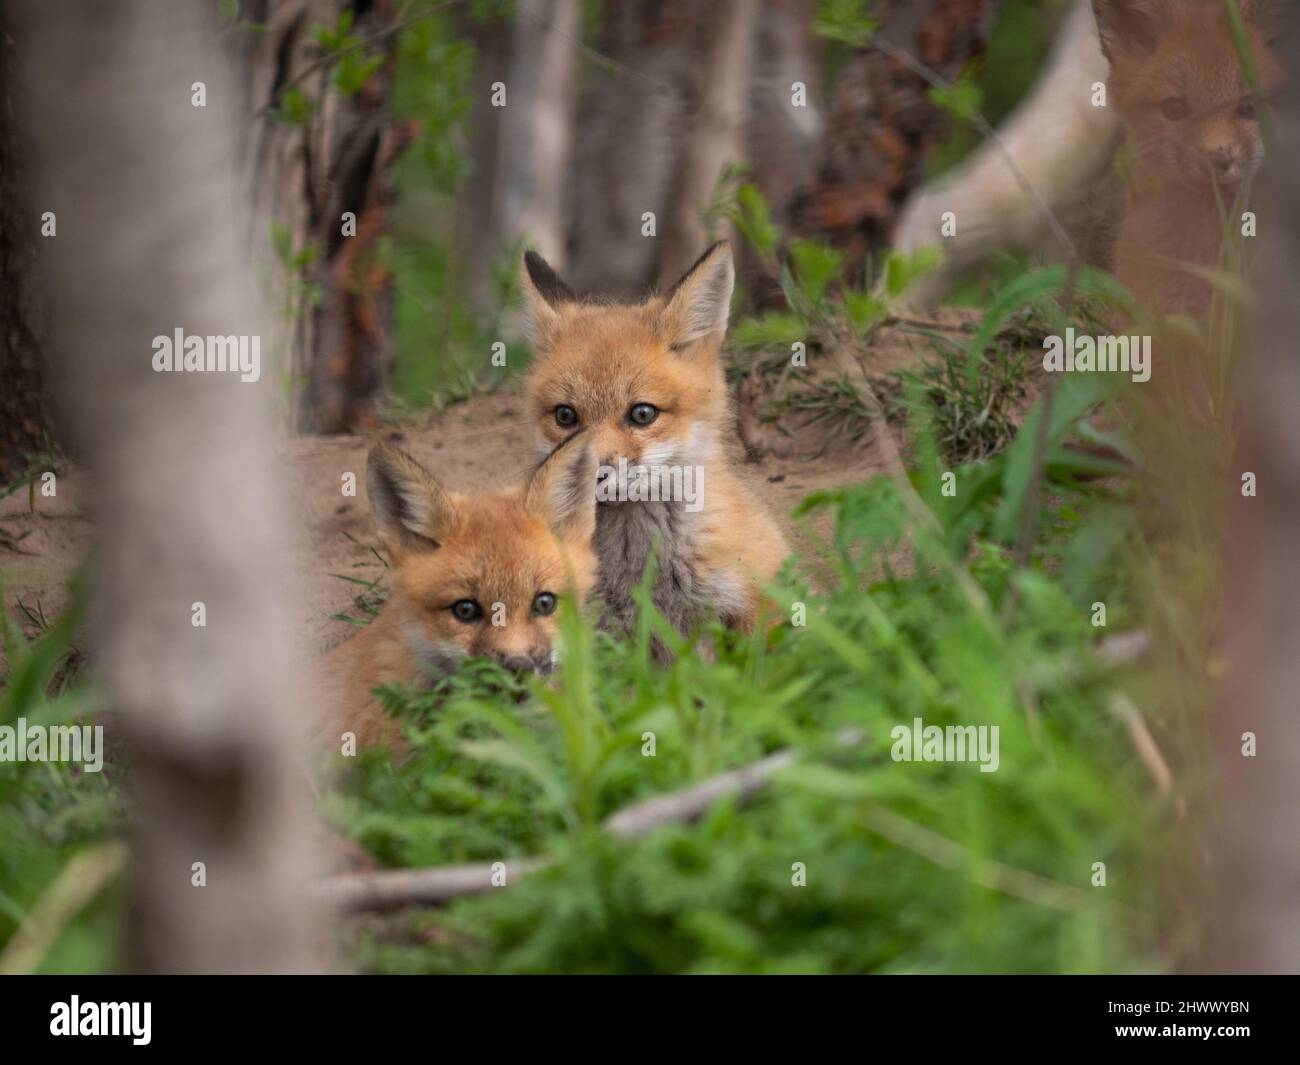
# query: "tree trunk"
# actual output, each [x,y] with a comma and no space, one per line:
[535,131]
[186,508]
[714,137]
[627,154]
[25,406]
[782,139]
[334,290]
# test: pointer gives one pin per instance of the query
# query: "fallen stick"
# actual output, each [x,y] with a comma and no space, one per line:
[390,888]
[404,887]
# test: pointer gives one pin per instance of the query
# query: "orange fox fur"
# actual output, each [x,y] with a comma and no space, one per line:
[600,367]
[512,555]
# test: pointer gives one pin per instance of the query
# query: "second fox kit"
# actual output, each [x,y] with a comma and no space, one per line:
[1193,133]
[645,381]
[473,576]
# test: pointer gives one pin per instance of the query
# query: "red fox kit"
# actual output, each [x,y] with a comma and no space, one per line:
[1177,82]
[645,381]
[473,576]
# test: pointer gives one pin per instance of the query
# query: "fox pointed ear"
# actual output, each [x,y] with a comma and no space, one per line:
[544,293]
[411,509]
[698,305]
[1132,26]
[562,490]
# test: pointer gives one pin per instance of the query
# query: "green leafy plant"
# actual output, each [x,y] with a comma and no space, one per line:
[57,821]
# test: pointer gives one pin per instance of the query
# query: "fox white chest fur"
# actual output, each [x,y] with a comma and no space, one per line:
[632,538]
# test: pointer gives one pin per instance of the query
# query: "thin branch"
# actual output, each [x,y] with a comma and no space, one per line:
[686,805]
[948,854]
[427,887]
[852,368]
[1143,742]
[326,58]
[925,323]
[391,888]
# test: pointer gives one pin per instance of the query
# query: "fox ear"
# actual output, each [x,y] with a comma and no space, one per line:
[698,305]
[544,292]
[562,490]
[1130,25]
[411,509]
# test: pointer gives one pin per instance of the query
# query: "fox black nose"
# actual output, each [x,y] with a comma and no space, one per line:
[516,663]
[538,660]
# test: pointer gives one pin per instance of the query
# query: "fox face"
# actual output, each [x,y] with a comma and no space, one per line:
[1177,81]
[645,380]
[483,576]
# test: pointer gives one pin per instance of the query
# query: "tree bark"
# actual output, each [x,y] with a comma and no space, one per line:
[334,291]
[626,156]
[782,140]
[535,131]
[714,137]
[186,508]
[25,407]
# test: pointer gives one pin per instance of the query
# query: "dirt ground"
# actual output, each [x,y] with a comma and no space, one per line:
[485,442]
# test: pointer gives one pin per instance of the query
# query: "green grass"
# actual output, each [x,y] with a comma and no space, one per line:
[49,812]
[926,605]
[491,777]
[909,866]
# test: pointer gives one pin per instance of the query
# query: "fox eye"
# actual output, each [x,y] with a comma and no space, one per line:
[466,610]
[544,605]
[643,413]
[1246,110]
[565,416]
[1175,109]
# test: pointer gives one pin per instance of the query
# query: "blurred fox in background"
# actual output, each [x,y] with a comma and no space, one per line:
[1193,136]
[1140,178]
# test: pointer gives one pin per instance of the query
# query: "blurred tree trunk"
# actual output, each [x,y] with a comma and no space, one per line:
[1254,881]
[186,508]
[492,43]
[535,130]
[881,123]
[782,139]
[630,117]
[25,406]
[313,153]
[715,136]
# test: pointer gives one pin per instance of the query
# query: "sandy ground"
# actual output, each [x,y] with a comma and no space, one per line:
[483,443]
